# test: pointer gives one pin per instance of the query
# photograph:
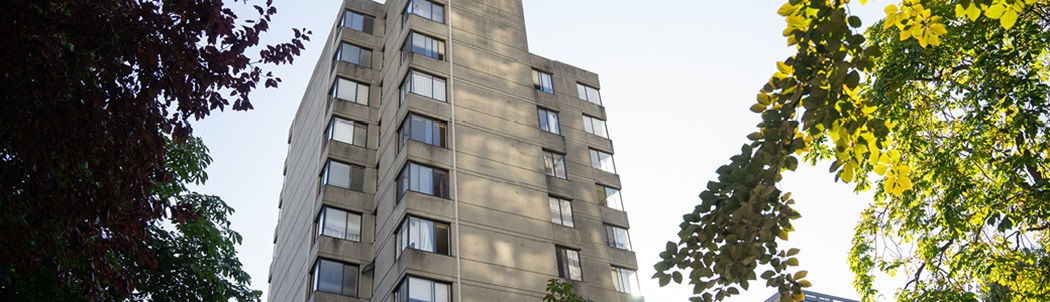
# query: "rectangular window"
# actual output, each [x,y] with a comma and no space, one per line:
[548,121]
[609,197]
[423,130]
[617,237]
[335,277]
[355,55]
[344,175]
[554,164]
[561,211]
[424,45]
[595,126]
[603,161]
[424,235]
[542,81]
[339,224]
[625,281]
[425,9]
[422,179]
[588,93]
[569,264]
[350,91]
[414,289]
[423,84]
[347,131]
[358,22]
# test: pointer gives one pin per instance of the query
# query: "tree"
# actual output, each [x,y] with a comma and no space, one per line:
[941,108]
[196,255]
[91,91]
[561,291]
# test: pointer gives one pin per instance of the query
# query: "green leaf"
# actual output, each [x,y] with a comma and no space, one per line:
[854,21]
[758,108]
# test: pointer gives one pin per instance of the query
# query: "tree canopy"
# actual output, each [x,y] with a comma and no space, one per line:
[91,92]
[941,108]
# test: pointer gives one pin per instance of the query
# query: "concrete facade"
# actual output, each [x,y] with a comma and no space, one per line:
[482,177]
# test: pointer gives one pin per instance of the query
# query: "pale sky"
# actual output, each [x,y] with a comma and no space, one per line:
[677,79]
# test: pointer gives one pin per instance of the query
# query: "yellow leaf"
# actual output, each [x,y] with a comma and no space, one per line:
[846,174]
[891,19]
[1008,19]
[995,11]
[798,297]
[905,183]
[938,29]
[905,34]
[873,158]
[880,170]
[895,155]
[959,10]
[1018,7]
[973,12]
[784,68]
[862,2]
[917,31]
[896,190]
[934,40]
[890,9]
[805,283]
[787,9]
[868,109]
[798,22]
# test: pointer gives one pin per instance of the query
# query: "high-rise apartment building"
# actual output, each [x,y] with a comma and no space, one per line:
[433,158]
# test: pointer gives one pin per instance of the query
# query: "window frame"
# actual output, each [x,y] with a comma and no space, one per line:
[408,47]
[346,268]
[357,91]
[441,245]
[624,283]
[590,125]
[602,160]
[547,124]
[322,219]
[604,196]
[543,81]
[362,60]
[613,238]
[439,181]
[406,131]
[561,211]
[584,92]
[360,171]
[552,161]
[569,264]
[407,86]
[355,126]
[402,293]
[410,8]
[367,21]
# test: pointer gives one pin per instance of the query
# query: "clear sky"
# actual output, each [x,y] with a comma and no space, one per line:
[677,78]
